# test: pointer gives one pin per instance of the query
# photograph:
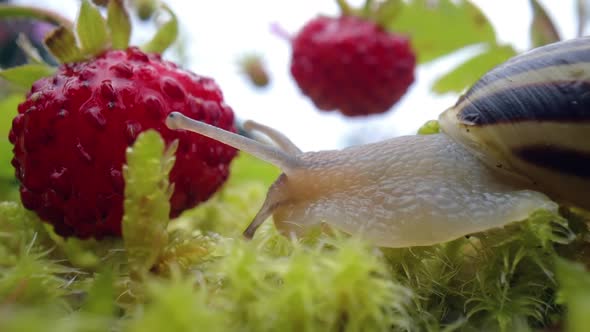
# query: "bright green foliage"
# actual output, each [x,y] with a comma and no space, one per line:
[451,25]
[198,273]
[25,75]
[343,286]
[147,206]
[177,306]
[574,280]
[20,230]
[101,294]
[8,110]
[471,70]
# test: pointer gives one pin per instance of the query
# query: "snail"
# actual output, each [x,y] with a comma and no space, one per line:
[517,141]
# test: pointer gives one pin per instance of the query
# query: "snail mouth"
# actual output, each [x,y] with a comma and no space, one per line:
[264,213]
[275,198]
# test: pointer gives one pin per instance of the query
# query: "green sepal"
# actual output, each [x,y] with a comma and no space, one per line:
[119,24]
[166,35]
[61,42]
[147,206]
[26,75]
[542,29]
[91,29]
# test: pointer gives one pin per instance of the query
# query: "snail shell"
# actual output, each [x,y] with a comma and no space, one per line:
[531,116]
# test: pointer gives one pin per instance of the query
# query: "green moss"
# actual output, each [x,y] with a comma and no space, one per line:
[196,272]
[147,206]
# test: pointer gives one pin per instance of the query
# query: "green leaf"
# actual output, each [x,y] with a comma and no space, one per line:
[91,29]
[119,24]
[8,110]
[166,35]
[438,28]
[466,74]
[37,13]
[574,281]
[26,75]
[61,42]
[542,29]
[147,206]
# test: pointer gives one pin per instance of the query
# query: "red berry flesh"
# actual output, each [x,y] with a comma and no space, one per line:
[72,131]
[352,65]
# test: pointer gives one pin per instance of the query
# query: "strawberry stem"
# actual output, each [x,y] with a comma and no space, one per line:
[7,11]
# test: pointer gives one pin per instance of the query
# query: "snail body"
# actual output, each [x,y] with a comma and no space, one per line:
[516,142]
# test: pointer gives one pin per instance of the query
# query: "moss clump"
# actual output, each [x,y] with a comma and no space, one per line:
[197,273]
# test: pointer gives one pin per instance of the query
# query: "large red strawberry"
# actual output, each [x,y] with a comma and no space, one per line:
[74,127]
[351,64]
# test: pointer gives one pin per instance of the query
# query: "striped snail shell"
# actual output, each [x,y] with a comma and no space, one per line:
[531,116]
[516,142]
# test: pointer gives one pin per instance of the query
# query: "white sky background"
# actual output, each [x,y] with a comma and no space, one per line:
[217,33]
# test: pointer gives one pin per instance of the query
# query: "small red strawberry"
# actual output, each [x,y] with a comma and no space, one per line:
[351,64]
[74,127]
